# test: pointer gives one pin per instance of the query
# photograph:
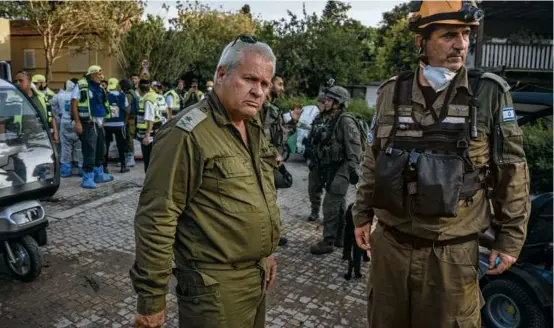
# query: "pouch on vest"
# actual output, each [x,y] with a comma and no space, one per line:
[440,178]
[335,152]
[388,191]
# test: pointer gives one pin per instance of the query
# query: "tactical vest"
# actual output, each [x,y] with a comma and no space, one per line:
[426,170]
[142,125]
[273,126]
[84,101]
[329,150]
[176,105]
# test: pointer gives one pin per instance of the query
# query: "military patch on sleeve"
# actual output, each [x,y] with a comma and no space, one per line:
[371,129]
[508,114]
[191,119]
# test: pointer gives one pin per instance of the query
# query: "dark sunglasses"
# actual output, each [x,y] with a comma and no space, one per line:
[245,38]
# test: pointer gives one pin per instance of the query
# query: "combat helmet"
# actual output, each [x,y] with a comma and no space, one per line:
[425,13]
[339,94]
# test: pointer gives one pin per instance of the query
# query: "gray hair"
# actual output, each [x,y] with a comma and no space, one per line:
[233,54]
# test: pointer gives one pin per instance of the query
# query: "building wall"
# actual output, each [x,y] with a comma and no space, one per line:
[69,66]
[5,46]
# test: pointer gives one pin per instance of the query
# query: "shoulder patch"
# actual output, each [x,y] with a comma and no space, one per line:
[191,119]
[508,114]
[505,86]
[394,78]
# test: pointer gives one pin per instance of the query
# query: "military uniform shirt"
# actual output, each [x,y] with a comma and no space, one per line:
[207,197]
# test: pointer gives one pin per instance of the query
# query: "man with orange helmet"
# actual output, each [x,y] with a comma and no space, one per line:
[441,139]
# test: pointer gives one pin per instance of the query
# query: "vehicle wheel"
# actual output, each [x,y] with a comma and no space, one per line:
[28,259]
[285,152]
[509,305]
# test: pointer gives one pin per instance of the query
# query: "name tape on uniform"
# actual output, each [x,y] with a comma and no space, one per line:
[508,114]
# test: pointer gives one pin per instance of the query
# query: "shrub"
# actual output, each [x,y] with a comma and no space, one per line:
[537,142]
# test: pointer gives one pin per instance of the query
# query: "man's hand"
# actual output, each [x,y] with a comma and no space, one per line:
[295,114]
[272,272]
[78,128]
[146,141]
[362,237]
[55,137]
[150,321]
[505,263]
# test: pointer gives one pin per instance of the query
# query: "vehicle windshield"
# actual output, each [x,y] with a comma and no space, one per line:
[26,153]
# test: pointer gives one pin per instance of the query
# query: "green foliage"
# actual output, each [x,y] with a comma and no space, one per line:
[286,103]
[537,142]
[397,53]
[311,48]
[89,24]
[359,106]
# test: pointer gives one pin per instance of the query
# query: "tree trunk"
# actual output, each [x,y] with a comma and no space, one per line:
[49,63]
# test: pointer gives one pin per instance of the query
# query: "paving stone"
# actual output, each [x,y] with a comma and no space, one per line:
[91,248]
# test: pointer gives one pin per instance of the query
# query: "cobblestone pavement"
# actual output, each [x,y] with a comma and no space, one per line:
[85,281]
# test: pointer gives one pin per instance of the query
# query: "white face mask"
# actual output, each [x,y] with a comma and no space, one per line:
[439,78]
[209,89]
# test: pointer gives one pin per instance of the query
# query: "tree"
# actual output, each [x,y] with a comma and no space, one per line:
[167,50]
[398,51]
[59,25]
[310,49]
[208,31]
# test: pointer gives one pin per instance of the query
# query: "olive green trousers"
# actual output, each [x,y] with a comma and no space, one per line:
[221,296]
[429,287]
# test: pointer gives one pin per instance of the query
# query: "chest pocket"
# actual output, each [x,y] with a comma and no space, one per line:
[232,185]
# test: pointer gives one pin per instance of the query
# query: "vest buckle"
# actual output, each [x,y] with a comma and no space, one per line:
[462,144]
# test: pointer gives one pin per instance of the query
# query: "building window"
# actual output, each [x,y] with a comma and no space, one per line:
[29,58]
[78,60]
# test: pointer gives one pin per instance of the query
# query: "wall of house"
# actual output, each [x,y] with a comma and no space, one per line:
[5,46]
[69,66]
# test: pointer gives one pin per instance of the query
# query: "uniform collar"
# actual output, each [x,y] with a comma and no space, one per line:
[220,113]
[460,81]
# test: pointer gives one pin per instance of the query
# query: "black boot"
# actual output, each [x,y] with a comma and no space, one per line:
[314,216]
[321,248]
[123,168]
[283,241]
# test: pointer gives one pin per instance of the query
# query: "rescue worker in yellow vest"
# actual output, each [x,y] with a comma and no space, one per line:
[22,80]
[194,95]
[149,120]
[89,108]
[160,98]
[43,95]
[172,100]
[445,147]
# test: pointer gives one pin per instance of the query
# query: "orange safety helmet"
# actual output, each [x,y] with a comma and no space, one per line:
[425,13]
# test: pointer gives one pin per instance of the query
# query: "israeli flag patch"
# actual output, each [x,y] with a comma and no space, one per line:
[371,129]
[508,114]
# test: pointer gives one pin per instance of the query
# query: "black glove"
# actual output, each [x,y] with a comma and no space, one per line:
[353,176]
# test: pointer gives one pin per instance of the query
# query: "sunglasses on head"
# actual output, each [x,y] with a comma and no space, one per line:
[245,38]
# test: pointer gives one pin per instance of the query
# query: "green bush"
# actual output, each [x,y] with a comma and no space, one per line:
[359,106]
[286,103]
[537,142]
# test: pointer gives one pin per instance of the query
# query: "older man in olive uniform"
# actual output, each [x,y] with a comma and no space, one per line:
[212,203]
[338,155]
[442,139]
